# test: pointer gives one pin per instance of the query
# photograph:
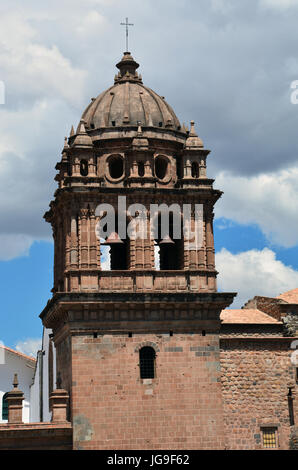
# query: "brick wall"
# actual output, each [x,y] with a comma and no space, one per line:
[179,409]
[36,436]
[255,375]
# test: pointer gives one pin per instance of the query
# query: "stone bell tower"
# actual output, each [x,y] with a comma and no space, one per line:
[135,321]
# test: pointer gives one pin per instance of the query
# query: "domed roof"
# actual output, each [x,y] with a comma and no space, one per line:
[129,103]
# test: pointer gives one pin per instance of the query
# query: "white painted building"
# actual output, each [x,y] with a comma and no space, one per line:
[13,362]
[44,380]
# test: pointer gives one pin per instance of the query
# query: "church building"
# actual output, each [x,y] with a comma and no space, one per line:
[142,350]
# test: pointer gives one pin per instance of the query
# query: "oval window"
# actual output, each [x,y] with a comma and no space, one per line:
[161,167]
[116,167]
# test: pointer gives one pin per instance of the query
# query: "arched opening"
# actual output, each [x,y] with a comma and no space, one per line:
[168,251]
[195,170]
[115,252]
[69,166]
[147,362]
[84,167]
[116,167]
[161,167]
[141,169]
[5,407]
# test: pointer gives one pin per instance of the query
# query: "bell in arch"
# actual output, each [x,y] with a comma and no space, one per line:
[113,239]
[167,241]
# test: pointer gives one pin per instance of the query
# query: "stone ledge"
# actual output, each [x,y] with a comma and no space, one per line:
[36,436]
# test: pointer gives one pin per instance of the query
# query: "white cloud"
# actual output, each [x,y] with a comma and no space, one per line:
[29,346]
[64,54]
[14,245]
[33,69]
[253,273]
[91,23]
[269,200]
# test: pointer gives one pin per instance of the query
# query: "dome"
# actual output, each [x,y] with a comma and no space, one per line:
[129,103]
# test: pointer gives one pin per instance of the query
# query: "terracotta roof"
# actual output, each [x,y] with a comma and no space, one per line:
[19,354]
[291,296]
[246,316]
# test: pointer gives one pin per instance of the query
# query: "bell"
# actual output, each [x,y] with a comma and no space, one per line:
[167,241]
[113,239]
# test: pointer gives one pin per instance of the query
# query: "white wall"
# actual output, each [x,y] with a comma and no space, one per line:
[10,364]
[42,361]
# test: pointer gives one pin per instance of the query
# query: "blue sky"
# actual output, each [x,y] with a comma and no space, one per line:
[228,65]
[27,280]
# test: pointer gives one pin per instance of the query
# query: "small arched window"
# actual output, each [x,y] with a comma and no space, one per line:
[84,167]
[141,169]
[5,407]
[194,170]
[147,362]
[69,166]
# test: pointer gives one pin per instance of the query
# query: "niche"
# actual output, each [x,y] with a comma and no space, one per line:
[84,167]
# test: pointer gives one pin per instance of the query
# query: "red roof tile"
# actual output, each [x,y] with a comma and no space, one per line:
[246,316]
[18,353]
[291,296]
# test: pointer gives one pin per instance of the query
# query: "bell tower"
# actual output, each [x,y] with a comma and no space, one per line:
[135,320]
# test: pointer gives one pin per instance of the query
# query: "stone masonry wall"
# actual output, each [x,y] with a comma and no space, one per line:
[179,409]
[255,378]
[64,367]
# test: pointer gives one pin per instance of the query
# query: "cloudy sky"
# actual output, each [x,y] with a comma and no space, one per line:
[228,65]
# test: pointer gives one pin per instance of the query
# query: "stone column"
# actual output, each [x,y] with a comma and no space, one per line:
[93,240]
[187,168]
[202,168]
[84,238]
[58,405]
[210,241]
[15,403]
[148,166]
[73,242]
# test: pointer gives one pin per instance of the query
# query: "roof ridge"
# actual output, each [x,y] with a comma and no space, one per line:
[18,353]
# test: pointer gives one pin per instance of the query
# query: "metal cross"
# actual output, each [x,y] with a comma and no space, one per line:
[127,24]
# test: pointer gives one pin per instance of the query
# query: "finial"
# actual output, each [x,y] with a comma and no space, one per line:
[15,382]
[139,132]
[66,146]
[71,131]
[193,141]
[82,139]
[192,131]
[81,127]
